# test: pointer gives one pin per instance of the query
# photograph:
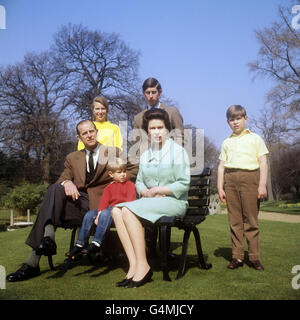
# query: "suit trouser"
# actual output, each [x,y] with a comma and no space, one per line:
[243,206]
[56,208]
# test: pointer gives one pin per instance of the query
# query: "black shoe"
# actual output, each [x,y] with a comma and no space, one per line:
[135,284]
[124,282]
[75,252]
[24,273]
[47,247]
[91,249]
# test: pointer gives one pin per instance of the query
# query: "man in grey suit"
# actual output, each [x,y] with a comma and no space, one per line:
[77,190]
[152,91]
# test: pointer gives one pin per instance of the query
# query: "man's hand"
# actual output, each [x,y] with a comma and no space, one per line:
[262,192]
[71,190]
[222,195]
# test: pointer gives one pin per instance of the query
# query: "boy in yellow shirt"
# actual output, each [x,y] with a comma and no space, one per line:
[242,179]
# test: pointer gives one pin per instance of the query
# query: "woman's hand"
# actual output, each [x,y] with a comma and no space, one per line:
[146,193]
[157,192]
[154,192]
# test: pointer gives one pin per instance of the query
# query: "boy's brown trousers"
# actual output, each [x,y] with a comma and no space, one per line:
[241,188]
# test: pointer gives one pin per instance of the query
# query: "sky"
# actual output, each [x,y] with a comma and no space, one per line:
[199,50]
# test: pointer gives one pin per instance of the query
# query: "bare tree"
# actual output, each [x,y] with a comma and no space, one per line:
[34,96]
[42,97]
[279,59]
[102,64]
[279,121]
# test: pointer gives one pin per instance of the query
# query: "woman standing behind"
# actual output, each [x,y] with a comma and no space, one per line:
[162,183]
[109,134]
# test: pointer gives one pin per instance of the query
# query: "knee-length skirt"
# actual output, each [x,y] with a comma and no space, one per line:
[152,209]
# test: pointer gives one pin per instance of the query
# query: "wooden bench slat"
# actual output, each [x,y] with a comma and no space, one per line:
[199,192]
[199,182]
[198,202]
[197,211]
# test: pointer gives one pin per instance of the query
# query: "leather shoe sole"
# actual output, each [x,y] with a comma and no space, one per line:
[24,273]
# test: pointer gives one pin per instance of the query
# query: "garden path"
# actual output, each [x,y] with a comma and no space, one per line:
[275,216]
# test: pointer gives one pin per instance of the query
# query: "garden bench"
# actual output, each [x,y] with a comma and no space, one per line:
[196,213]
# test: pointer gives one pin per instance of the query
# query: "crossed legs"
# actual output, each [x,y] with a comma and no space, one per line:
[131,234]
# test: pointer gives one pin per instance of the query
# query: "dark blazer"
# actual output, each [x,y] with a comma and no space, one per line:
[75,170]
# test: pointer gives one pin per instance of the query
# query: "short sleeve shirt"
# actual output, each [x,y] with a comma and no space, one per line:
[243,151]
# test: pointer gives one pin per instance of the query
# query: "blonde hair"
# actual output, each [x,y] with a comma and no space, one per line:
[235,111]
[116,164]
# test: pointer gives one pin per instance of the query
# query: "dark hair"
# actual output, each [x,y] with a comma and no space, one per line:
[235,111]
[81,122]
[151,83]
[156,113]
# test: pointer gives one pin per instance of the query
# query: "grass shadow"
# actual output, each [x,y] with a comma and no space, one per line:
[226,253]
[192,261]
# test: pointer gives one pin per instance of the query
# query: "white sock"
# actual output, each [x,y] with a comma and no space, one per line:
[96,243]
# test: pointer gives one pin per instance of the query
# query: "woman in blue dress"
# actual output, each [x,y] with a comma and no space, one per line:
[162,184]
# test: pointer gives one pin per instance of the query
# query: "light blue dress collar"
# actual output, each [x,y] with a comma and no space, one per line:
[163,154]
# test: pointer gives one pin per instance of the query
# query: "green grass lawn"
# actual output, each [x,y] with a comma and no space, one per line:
[279,253]
[283,206]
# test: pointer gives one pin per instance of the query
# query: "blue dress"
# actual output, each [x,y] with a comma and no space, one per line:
[170,167]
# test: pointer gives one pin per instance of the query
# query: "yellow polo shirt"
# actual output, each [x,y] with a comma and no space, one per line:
[109,134]
[243,151]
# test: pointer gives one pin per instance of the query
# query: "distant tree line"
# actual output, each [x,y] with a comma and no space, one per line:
[279,121]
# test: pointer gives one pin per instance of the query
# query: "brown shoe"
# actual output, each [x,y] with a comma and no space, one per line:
[257,265]
[234,264]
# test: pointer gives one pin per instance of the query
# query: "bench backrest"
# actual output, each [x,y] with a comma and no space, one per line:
[198,197]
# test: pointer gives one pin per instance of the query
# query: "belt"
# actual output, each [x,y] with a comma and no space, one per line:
[228,170]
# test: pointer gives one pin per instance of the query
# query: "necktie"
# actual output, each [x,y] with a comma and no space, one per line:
[91,162]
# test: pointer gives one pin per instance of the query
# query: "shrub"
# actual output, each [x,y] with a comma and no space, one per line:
[26,196]
[4,189]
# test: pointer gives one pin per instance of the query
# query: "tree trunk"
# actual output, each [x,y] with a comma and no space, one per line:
[269,183]
[46,167]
